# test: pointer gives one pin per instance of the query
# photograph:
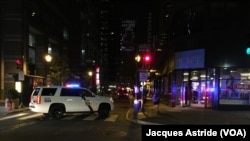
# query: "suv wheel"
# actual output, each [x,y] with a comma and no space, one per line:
[57,112]
[104,110]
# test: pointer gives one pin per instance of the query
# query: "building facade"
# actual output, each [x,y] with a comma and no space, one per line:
[208,65]
[29,31]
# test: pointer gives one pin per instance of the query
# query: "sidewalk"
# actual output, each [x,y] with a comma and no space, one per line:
[4,111]
[187,115]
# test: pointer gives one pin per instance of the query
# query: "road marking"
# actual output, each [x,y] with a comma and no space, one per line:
[111,118]
[13,116]
[144,122]
[30,116]
[91,117]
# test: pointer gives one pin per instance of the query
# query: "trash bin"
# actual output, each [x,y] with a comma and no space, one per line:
[8,104]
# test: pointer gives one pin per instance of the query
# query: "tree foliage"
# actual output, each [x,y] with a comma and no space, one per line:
[59,71]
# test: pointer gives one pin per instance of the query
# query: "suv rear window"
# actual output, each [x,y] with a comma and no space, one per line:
[36,91]
[48,91]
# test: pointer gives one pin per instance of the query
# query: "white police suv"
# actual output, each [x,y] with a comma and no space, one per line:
[57,100]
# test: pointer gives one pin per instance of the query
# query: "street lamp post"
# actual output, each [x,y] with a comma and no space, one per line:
[48,59]
[141,76]
[90,75]
[137,103]
[137,59]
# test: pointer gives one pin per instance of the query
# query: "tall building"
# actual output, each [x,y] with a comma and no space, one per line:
[109,39]
[31,29]
[100,42]
[138,20]
[119,39]
[86,36]
[121,29]
[90,57]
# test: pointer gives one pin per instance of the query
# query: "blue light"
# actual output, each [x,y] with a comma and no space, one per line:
[212,89]
[72,85]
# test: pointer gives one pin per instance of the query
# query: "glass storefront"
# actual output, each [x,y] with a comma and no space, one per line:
[194,88]
[234,87]
[210,88]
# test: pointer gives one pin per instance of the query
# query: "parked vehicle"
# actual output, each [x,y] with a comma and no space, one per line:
[57,100]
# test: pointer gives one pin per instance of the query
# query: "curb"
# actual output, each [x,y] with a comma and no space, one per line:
[141,122]
[129,117]
[15,111]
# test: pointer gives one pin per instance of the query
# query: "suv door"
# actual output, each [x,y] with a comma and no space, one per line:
[91,100]
[73,100]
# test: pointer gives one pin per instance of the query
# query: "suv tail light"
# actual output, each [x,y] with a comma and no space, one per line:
[38,99]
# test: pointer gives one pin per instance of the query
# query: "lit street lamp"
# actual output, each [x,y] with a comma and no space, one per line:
[90,73]
[137,58]
[48,59]
[90,78]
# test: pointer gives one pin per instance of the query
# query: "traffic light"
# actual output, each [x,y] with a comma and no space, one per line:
[248,48]
[248,51]
[147,58]
[18,63]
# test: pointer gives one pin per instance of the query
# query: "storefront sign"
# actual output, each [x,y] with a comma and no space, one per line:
[190,59]
[242,86]
[233,102]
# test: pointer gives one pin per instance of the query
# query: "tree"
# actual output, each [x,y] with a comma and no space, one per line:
[59,71]
[13,94]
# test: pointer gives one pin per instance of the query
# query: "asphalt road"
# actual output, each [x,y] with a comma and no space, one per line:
[121,125]
[26,125]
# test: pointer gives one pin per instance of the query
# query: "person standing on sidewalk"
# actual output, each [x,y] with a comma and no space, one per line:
[131,99]
[156,100]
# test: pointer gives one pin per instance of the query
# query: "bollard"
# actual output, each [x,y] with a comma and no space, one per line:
[137,105]
[9,105]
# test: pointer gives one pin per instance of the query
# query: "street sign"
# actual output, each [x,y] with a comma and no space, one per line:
[143,76]
[20,76]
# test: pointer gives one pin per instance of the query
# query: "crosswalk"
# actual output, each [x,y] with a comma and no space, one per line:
[73,116]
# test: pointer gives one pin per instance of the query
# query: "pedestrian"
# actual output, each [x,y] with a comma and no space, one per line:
[156,100]
[131,99]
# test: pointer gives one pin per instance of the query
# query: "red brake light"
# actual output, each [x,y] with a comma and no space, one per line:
[38,99]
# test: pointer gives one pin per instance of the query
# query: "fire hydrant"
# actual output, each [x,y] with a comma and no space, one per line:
[9,105]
